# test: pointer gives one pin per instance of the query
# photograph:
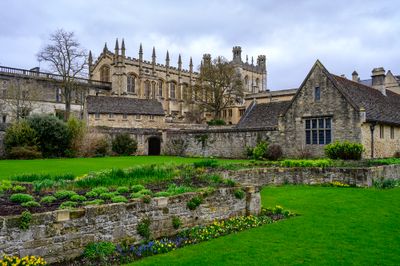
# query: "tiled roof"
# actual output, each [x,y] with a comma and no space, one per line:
[378,107]
[123,105]
[263,115]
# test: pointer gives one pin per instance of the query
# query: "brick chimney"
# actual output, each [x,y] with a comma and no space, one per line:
[378,79]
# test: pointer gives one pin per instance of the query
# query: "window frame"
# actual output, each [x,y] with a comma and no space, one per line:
[318,130]
[317,94]
[381,131]
[391,132]
[131,84]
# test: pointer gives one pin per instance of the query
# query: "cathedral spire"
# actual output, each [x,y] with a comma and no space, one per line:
[153,56]
[180,62]
[116,47]
[140,52]
[123,48]
[191,65]
[167,59]
[90,58]
[105,49]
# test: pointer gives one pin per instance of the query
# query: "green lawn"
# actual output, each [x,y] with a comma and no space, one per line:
[337,226]
[80,166]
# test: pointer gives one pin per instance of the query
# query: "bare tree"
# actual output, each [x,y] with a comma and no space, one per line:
[218,86]
[18,97]
[67,58]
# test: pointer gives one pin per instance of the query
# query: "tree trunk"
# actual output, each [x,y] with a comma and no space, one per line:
[67,110]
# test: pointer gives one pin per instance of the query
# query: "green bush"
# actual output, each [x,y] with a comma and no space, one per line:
[68,205]
[194,203]
[52,133]
[216,122]
[239,194]
[137,188]
[143,228]
[18,188]
[5,185]
[306,163]
[260,150]
[20,198]
[25,220]
[100,190]
[344,150]
[48,199]
[31,203]
[123,144]
[94,202]
[162,194]
[77,198]
[146,199]
[108,195]
[117,199]
[20,134]
[99,251]
[122,190]
[24,153]
[385,183]
[64,194]
[91,194]
[76,132]
[101,147]
[38,177]
[176,222]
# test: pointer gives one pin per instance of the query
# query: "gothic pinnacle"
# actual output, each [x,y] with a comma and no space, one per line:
[116,45]
[154,53]
[180,62]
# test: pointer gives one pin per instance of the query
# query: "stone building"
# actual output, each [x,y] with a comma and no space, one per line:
[328,108]
[24,92]
[172,86]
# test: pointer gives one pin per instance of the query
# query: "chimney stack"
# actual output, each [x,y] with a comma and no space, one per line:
[378,79]
[354,76]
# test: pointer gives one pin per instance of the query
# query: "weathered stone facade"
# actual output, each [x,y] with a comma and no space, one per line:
[63,234]
[385,145]
[346,121]
[126,121]
[227,143]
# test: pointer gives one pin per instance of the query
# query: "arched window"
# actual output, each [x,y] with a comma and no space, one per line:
[246,80]
[105,73]
[147,89]
[160,88]
[172,89]
[153,90]
[131,84]
[186,93]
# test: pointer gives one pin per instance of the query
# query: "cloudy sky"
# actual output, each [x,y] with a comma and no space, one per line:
[344,35]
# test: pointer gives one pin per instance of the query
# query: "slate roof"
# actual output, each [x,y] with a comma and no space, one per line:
[123,105]
[378,107]
[262,115]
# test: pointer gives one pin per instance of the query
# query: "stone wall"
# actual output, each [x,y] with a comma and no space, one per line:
[63,234]
[224,142]
[362,177]
[383,147]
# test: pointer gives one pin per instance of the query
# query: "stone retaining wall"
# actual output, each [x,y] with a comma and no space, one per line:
[362,177]
[63,234]
[224,142]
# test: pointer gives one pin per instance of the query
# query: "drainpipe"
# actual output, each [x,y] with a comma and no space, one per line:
[372,128]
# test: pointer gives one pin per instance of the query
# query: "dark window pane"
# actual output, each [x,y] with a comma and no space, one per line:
[308,137]
[314,123]
[321,123]
[328,123]
[314,137]
[317,93]
[321,134]
[328,137]
[308,123]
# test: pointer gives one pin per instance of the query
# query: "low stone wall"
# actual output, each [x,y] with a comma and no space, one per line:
[223,142]
[63,234]
[362,177]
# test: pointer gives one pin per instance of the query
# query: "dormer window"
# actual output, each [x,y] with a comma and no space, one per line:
[317,94]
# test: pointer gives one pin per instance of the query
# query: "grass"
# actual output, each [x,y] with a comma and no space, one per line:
[337,226]
[80,166]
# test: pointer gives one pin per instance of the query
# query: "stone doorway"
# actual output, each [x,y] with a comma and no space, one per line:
[154,146]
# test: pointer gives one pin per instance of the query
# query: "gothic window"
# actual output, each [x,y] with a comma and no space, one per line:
[153,90]
[160,88]
[318,130]
[131,84]
[317,94]
[246,81]
[105,73]
[172,94]
[185,90]
[147,89]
